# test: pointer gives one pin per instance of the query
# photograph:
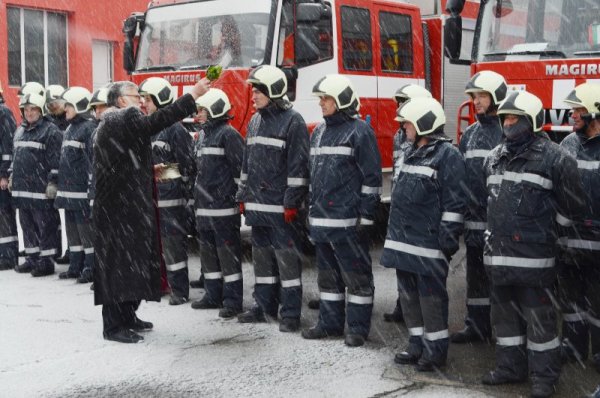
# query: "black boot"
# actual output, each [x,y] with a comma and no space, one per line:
[205,304]
[140,326]
[469,334]
[253,315]
[24,268]
[87,276]
[314,304]
[497,377]
[410,355]
[288,325]
[199,284]
[64,259]
[542,390]
[124,336]
[68,275]
[317,332]
[394,316]
[354,340]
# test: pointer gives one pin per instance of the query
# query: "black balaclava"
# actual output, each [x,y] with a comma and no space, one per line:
[519,134]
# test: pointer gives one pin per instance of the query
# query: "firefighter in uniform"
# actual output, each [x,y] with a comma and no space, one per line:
[72,195]
[219,153]
[55,106]
[345,175]
[487,89]
[9,241]
[530,181]
[174,165]
[403,94]
[34,184]
[579,276]
[426,220]
[273,187]
[98,104]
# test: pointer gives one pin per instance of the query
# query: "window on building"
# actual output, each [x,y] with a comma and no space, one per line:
[37,47]
[396,42]
[357,51]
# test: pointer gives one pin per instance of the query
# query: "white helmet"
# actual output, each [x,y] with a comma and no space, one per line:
[426,114]
[78,97]
[53,92]
[489,82]
[215,101]
[159,89]
[35,100]
[410,91]
[31,88]
[100,97]
[523,103]
[271,79]
[586,95]
[341,89]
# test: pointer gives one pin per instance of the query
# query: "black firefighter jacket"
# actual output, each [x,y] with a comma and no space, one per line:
[35,163]
[174,145]
[126,235]
[219,153]
[7,131]
[275,166]
[526,193]
[427,210]
[345,178]
[476,144]
[584,234]
[75,165]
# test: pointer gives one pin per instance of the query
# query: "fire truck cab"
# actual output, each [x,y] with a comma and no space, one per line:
[380,45]
[546,47]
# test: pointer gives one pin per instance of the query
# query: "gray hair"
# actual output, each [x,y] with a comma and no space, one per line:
[116,90]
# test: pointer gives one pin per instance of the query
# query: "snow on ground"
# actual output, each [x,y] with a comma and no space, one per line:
[51,346]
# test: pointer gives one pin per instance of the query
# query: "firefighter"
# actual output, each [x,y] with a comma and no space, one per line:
[219,153]
[98,104]
[72,195]
[55,106]
[402,95]
[345,175]
[487,89]
[34,184]
[579,277]
[9,241]
[426,219]
[529,181]
[273,187]
[174,165]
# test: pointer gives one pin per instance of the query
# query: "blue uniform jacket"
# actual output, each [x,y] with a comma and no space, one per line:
[35,163]
[345,177]
[475,145]
[75,165]
[585,234]
[7,131]
[275,166]
[219,153]
[174,145]
[427,210]
[526,193]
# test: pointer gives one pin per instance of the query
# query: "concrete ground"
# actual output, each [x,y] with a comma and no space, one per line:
[51,346]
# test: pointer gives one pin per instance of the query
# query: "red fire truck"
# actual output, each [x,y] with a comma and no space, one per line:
[546,47]
[379,44]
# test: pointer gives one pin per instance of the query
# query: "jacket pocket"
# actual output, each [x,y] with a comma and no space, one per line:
[534,201]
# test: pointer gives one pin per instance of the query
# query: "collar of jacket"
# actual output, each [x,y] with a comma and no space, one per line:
[212,124]
[488,119]
[81,117]
[270,110]
[434,142]
[583,138]
[531,150]
[337,118]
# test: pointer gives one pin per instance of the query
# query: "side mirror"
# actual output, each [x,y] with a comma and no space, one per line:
[291,74]
[306,45]
[130,26]
[308,12]
[453,38]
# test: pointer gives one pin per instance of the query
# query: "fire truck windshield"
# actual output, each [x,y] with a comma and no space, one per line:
[230,33]
[523,29]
